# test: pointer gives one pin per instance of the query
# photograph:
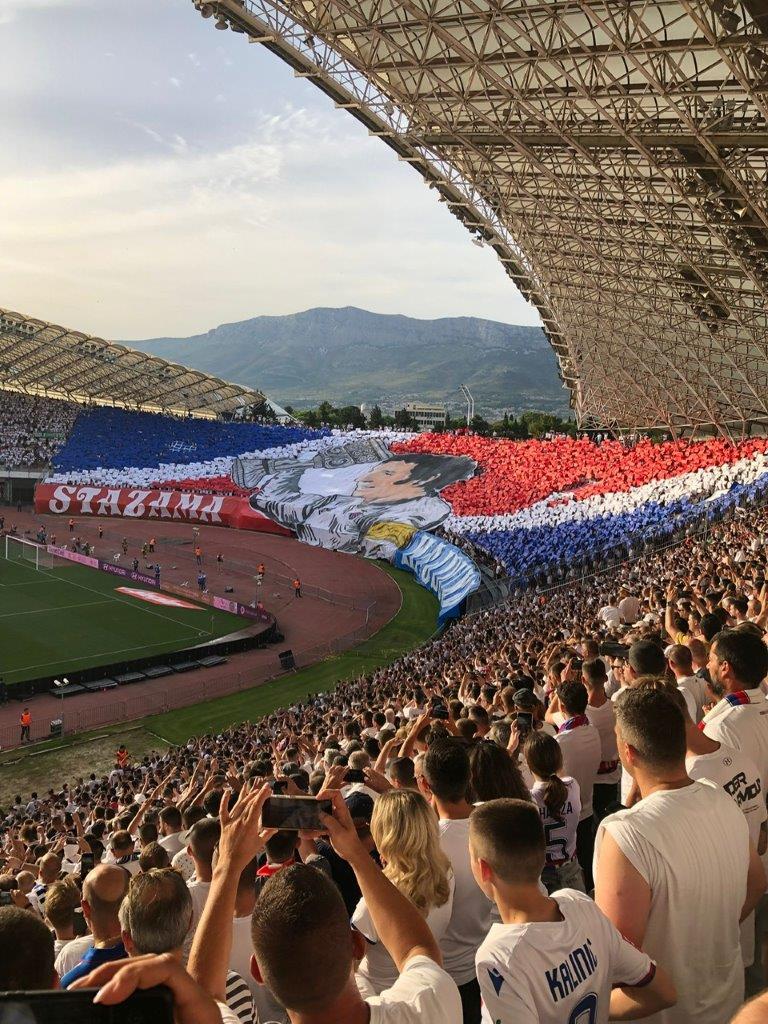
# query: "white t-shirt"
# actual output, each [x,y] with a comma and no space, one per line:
[423,994]
[72,953]
[550,972]
[171,844]
[690,703]
[740,779]
[560,831]
[471,911]
[743,727]
[733,771]
[377,971]
[184,864]
[581,758]
[691,846]
[199,893]
[697,687]
[267,1007]
[604,720]
[610,615]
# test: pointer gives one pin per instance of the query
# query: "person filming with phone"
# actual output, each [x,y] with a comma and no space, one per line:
[304,949]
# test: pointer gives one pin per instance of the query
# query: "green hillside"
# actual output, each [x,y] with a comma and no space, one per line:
[350,356]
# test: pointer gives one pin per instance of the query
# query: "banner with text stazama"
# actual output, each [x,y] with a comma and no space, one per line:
[442,568]
[140,503]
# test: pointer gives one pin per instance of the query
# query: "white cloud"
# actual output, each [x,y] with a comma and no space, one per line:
[299,214]
[175,82]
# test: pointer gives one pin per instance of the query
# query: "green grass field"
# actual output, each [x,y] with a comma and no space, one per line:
[23,771]
[56,621]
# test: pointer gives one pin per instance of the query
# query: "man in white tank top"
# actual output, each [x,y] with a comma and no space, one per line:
[676,873]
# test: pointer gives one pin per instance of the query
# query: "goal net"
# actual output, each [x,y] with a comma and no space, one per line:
[19,549]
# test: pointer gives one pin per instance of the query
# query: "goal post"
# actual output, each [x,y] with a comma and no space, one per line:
[19,549]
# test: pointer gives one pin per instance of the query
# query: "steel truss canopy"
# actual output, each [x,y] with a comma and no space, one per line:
[39,358]
[614,154]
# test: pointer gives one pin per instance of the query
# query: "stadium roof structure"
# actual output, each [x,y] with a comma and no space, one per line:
[613,153]
[38,358]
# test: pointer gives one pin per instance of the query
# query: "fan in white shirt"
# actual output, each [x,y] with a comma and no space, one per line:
[693,687]
[553,959]
[676,871]
[600,713]
[739,778]
[405,831]
[559,805]
[738,663]
[629,607]
[443,778]
[154,918]
[582,753]
[303,948]
[610,615]
[170,831]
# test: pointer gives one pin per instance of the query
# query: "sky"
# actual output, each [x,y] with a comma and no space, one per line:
[159,177]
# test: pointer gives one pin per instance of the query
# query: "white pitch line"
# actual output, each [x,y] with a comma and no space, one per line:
[56,608]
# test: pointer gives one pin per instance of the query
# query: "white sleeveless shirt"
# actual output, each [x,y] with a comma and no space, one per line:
[691,846]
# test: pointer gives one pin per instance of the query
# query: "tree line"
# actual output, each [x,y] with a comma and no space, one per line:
[528,424]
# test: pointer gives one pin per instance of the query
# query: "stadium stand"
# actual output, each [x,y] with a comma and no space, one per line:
[537,509]
[32,429]
[495,711]
[107,442]
[541,507]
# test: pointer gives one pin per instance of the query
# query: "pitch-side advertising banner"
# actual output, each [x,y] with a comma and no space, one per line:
[222,603]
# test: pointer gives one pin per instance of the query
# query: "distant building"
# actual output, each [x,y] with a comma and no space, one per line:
[427,416]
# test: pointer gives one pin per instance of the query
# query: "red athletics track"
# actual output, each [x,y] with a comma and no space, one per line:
[307,623]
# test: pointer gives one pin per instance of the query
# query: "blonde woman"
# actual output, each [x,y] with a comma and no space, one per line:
[404,828]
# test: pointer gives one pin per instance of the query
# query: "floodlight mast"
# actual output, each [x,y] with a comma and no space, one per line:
[470,403]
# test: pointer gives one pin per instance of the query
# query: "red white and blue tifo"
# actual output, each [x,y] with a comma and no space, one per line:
[543,505]
[533,505]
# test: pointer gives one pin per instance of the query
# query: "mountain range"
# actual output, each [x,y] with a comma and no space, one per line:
[350,356]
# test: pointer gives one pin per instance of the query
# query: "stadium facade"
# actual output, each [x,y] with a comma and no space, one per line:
[613,154]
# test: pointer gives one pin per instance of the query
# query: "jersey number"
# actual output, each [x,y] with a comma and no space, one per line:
[556,845]
[585,1011]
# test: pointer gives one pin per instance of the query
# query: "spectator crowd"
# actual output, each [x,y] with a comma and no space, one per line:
[32,429]
[554,812]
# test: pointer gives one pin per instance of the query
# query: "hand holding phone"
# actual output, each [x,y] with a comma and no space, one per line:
[295,813]
[120,981]
[338,823]
[244,832]
[87,862]
[524,721]
[154,1006]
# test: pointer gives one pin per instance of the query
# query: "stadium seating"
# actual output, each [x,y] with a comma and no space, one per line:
[31,429]
[539,506]
[107,440]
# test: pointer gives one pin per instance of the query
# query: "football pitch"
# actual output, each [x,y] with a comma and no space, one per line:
[68,618]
